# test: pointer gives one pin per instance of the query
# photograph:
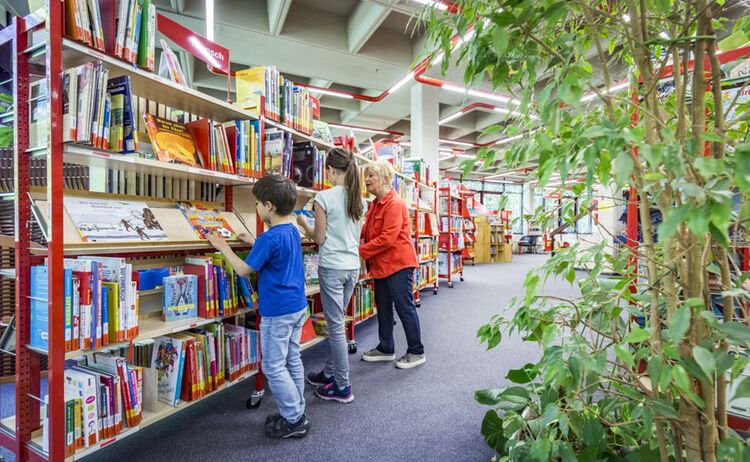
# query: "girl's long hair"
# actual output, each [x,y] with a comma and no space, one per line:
[343,160]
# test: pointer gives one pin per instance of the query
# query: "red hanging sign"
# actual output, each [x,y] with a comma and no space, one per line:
[199,46]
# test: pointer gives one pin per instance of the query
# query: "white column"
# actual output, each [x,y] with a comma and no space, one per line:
[425,132]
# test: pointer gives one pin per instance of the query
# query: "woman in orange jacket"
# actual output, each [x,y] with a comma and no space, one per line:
[391,259]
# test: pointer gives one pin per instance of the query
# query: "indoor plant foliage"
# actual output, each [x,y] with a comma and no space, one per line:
[606,387]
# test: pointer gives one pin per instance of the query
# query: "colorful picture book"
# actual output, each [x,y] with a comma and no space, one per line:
[206,220]
[100,220]
[168,359]
[169,65]
[308,214]
[171,141]
[180,297]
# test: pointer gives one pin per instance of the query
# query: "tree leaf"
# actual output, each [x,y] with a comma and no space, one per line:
[524,375]
[500,40]
[637,335]
[743,389]
[488,396]
[663,408]
[679,323]
[492,430]
[705,360]
[624,355]
[737,332]
[623,168]
[680,377]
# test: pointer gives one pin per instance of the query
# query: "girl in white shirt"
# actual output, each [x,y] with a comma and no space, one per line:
[338,212]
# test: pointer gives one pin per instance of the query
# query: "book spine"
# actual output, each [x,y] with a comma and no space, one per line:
[76,343]
[68,290]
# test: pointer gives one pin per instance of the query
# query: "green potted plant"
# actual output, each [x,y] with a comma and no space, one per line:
[638,366]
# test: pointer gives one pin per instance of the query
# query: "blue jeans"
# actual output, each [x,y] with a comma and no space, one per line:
[396,290]
[336,288]
[282,362]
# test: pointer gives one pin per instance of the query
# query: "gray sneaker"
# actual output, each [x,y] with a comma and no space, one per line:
[410,360]
[376,355]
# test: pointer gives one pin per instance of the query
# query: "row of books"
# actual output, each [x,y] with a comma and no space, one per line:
[408,191]
[363,302]
[424,275]
[103,396]
[101,303]
[134,35]
[426,224]
[190,365]
[443,205]
[97,110]
[278,148]
[219,290]
[451,241]
[426,249]
[456,261]
[281,100]
[451,225]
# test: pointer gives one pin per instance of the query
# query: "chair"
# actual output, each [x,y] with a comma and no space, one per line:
[528,243]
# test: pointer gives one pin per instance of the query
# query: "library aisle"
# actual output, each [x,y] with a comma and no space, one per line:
[426,413]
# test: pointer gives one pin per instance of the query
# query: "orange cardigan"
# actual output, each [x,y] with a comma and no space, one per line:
[388,246]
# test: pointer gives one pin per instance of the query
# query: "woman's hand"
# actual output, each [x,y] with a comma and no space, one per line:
[246,237]
[218,242]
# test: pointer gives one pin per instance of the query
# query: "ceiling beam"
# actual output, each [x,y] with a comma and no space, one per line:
[277,11]
[177,5]
[364,21]
[307,60]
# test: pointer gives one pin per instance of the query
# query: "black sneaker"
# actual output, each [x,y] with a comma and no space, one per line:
[282,429]
[332,392]
[272,417]
[319,378]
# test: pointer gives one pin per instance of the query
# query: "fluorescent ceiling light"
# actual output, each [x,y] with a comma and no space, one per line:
[451,117]
[405,143]
[453,155]
[335,93]
[210,19]
[437,59]
[479,93]
[360,129]
[664,35]
[508,140]
[613,89]
[406,79]
[457,143]
[439,5]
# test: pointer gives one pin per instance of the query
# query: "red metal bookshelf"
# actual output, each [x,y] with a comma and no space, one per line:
[450,236]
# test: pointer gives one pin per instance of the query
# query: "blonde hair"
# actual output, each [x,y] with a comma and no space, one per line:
[381,168]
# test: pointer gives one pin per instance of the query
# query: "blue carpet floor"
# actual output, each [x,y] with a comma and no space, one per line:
[427,413]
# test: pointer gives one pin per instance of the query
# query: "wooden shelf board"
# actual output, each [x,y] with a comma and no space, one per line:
[153,326]
[311,343]
[152,87]
[312,290]
[92,157]
[365,319]
[102,248]
[9,273]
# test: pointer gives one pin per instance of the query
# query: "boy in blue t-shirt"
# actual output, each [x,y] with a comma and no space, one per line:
[277,257]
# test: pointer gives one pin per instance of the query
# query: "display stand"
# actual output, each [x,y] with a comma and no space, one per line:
[469,228]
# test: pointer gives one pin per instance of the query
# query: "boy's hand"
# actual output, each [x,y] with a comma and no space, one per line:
[246,237]
[302,221]
[218,242]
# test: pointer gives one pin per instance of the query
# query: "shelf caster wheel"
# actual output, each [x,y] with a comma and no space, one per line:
[352,347]
[450,285]
[462,278]
[434,291]
[418,304]
[253,402]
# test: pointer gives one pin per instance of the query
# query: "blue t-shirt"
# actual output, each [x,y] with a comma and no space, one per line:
[277,257]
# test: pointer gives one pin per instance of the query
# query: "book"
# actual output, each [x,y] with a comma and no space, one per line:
[39,293]
[169,65]
[83,386]
[70,103]
[100,220]
[180,297]
[171,141]
[206,220]
[147,36]
[122,120]
[168,359]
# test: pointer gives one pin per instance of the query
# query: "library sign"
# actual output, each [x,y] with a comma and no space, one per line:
[199,46]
